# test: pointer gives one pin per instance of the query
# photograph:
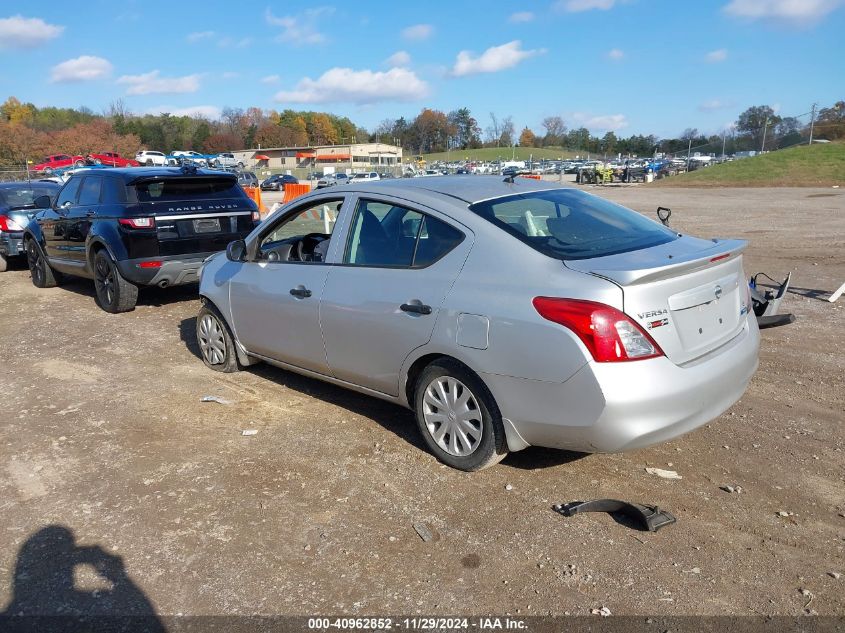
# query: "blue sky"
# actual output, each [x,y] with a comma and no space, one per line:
[632,66]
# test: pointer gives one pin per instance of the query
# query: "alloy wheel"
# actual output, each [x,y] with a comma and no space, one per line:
[452,416]
[104,280]
[212,343]
[36,262]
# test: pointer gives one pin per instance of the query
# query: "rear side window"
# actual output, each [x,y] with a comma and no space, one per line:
[570,224]
[188,189]
[69,192]
[89,192]
[114,191]
[386,235]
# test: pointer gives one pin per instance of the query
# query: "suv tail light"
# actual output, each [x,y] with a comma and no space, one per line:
[9,225]
[138,223]
[610,335]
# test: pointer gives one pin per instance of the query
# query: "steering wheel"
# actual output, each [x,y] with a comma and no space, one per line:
[311,240]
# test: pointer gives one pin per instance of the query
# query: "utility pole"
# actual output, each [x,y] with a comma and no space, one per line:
[689,149]
[812,123]
[765,129]
[724,135]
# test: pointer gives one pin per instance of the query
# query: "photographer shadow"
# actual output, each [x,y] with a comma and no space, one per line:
[45,596]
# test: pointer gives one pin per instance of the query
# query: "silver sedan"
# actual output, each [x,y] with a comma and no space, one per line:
[505,313]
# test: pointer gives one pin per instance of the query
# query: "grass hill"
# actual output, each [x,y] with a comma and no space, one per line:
[803,166]
[505,153]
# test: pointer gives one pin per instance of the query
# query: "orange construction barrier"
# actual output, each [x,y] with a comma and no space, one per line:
[254,194]
[531,176]
[294,191]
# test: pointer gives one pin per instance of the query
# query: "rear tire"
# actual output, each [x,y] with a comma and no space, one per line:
[4,263]
[458,417]
[114,293]
[215,340]
[40,271]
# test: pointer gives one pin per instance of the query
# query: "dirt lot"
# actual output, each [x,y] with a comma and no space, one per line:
[103,433]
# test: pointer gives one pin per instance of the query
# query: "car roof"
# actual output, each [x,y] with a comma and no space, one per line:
[469,189]
[133,174]
[28,184]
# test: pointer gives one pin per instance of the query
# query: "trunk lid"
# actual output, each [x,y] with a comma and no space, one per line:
[688,294]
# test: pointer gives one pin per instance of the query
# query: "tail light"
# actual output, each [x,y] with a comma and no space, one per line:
[610,335]
[8,225]
[138,223]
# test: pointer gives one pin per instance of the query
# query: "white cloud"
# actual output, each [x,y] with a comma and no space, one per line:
[151,83]
[230,75]
[271,79]
[230,42]
[418,32]
[615,54]
[714,104]
[20,32]
[576,6]
[199,36]
[788,11]
[399,59]
[607,122]
[492,60]
[203,111]
[717,56]
[84,68]
[300,29]
[521,16]
[345,85]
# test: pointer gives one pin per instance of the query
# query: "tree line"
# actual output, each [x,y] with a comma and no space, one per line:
[29,132]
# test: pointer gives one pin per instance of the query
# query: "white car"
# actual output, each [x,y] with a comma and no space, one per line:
[225,159]
[370,176]
[194,157]
[151,158]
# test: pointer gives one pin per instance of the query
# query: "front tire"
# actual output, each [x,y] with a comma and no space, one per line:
[114,293]
[217,346]
[458,417]
[4,263]
[40,271]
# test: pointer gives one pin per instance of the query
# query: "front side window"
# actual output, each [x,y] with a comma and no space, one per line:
[68,193]
[89,193]
[304,235]
[568,224]
[387,235]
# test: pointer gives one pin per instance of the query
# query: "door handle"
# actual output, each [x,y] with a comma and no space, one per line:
[300,291]
[90,214]
[416,308]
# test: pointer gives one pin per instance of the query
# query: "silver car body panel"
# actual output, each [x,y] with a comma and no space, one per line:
[549,389]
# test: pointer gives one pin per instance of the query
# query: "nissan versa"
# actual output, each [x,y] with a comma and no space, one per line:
[504,313]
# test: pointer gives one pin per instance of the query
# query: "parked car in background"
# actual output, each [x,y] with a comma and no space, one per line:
[113,159]
[505,314]
[180,157]
[58,161]
[365,177]
[330,180]
[151,158]
[17,208]
[125,228]
[247,179]
[225,159]
[277,182]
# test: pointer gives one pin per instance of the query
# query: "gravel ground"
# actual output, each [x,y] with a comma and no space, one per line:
[104,440]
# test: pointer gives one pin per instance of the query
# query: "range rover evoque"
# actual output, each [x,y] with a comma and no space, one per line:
[126,228]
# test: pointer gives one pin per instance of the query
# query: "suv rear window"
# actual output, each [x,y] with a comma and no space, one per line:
[569,224]
[169,190]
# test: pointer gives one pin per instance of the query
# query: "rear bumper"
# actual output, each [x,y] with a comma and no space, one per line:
[174,270]
[615,407]
[11,244]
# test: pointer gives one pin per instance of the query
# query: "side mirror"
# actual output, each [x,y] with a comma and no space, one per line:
[42,202]
[663,214]
[236,251]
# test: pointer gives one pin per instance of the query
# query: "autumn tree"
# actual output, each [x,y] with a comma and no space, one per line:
[555,129]
[527,138]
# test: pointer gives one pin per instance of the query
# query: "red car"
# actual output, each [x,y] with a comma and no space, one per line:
[59,161]
[113,159]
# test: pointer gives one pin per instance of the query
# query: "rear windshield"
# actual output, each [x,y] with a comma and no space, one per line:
[570,224]
[24,197]
[188,189]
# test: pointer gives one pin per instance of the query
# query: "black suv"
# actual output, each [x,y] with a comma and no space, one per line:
[126,228]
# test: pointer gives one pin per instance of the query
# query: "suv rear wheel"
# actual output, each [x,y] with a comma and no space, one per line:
[114,293]
[458,417]
[40,271]
[216,343]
